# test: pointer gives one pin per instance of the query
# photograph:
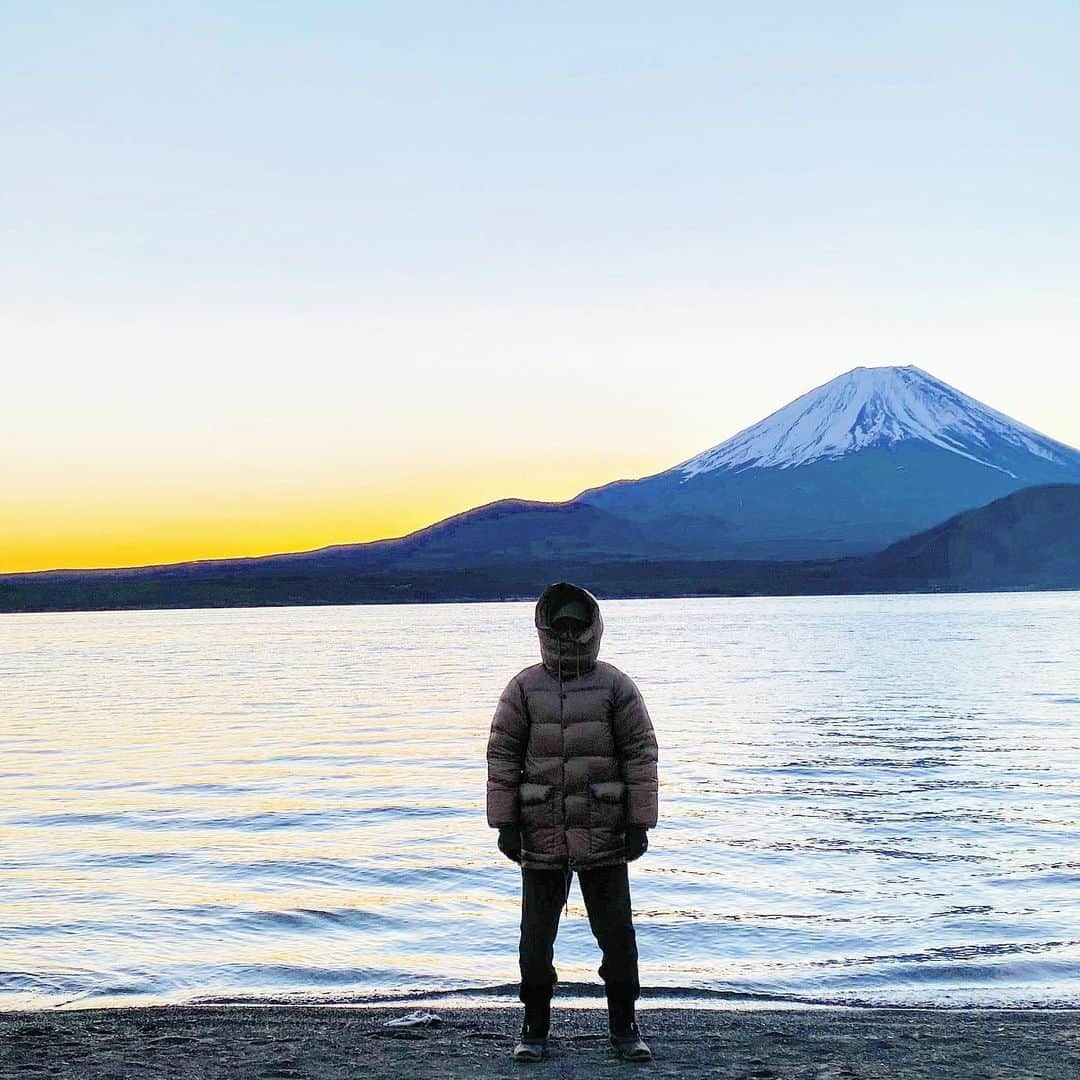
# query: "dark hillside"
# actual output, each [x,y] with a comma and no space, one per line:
[1028,539]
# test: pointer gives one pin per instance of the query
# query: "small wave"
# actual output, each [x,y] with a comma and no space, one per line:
[316,919]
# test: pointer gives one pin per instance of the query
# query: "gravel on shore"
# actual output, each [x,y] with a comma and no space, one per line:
[321,1043]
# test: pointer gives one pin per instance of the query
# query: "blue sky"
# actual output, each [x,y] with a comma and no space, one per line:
[365,249]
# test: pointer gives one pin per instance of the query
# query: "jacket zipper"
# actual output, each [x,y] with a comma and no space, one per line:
[562,766]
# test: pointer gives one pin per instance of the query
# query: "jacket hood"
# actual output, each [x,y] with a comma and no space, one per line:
[575,653]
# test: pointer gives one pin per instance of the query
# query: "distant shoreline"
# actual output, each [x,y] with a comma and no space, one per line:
[392,597]
[324,1043]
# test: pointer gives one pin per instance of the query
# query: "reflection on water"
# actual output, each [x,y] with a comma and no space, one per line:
[869,799]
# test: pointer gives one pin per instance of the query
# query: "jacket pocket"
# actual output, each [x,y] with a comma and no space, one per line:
[608,791]
[537,809]
[531,794]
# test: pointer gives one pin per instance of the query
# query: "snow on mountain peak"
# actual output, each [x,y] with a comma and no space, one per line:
[874,406]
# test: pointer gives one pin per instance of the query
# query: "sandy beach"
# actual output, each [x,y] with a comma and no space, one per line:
[321,1043]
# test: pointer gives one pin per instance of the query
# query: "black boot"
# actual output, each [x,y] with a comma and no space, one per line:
[532,1046]
[623,1030]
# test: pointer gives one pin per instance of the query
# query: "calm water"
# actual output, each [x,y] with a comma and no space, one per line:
[871,799]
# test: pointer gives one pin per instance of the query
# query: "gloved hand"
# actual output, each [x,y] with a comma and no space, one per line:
[510,842]
[637,842]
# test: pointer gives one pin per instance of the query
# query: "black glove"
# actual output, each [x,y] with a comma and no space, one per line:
[510,842]
[637,842]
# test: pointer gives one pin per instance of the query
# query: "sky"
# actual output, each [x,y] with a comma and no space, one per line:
[279,275]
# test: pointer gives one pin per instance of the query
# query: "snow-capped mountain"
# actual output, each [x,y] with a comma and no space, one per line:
[872,456]
[878,406]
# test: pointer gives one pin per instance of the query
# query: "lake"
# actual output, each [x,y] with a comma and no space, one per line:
[863,799]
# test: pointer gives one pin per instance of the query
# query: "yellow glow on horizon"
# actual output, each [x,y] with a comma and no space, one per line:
[142,525]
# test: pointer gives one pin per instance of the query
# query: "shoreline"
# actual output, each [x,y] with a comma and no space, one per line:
[327,1042]
[584,996]
[406,600]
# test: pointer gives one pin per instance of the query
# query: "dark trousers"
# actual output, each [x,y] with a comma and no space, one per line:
[606,891]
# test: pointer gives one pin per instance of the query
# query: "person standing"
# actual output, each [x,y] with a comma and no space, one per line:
[572,787]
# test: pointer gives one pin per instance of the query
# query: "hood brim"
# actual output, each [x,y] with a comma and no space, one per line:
[556,596]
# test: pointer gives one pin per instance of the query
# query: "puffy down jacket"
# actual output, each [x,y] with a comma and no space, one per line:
[572,754]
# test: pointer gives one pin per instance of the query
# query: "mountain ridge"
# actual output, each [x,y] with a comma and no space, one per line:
[1027,540]
[873,456]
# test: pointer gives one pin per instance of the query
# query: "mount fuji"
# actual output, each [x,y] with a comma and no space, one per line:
[872,456]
